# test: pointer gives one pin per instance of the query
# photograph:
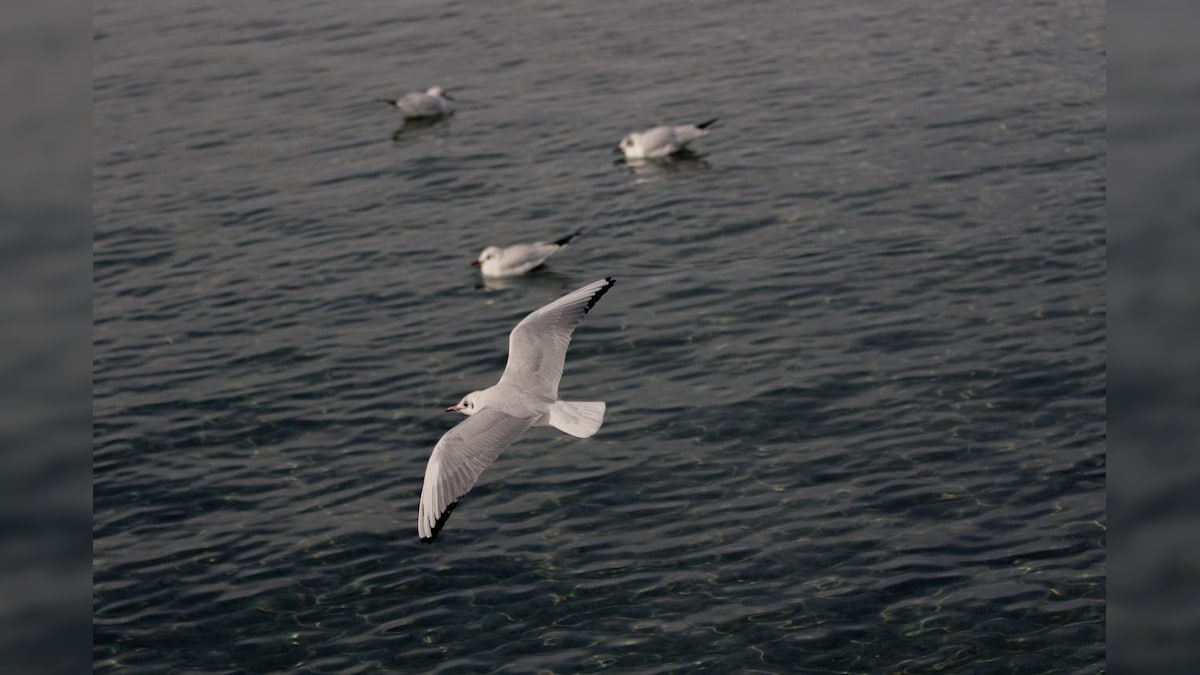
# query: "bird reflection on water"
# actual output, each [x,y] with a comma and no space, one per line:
[684,161]
[541,277]
[419,126]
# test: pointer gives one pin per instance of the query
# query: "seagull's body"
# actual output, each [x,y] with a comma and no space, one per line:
[660,142]
[515,260]
[526,396]
[432,103]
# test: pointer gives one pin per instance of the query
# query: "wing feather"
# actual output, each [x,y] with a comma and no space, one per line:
[524,257]
[537,347]
[458,459]
[687,133]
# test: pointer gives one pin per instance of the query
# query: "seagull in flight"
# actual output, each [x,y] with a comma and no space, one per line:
[526,396]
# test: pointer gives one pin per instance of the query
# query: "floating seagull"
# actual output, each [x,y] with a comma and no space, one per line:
[661,141]
[433,103]
[526,396]
[515,260]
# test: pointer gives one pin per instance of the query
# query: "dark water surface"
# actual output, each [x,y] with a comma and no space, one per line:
[854,360]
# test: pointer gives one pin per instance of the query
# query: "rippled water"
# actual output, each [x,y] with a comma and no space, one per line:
[854,360]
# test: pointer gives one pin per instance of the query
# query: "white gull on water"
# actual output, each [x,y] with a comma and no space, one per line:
[661,141]
[432,103]
[526,396]
[515,260]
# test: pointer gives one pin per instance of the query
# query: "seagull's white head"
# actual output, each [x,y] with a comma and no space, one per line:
[630,146]
[487,255]
[469,405]
[438,92]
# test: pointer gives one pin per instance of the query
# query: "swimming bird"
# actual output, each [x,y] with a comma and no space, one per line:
[434,102]
[662,141]
[526,396]
[515,260]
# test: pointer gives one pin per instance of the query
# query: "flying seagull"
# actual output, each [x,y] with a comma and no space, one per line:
[526,396]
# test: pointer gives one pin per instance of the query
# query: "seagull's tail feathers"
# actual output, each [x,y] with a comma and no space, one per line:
[581,419]
[705,125]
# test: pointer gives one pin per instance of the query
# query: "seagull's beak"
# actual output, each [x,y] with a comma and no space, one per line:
[476,262]
[617,148]
[454,408]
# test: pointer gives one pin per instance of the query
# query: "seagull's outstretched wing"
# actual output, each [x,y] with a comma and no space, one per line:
[458,459]
[537,347]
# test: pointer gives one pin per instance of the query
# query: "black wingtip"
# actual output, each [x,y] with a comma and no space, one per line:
[563,241]
[437,527]
[599,294]
[705,125]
